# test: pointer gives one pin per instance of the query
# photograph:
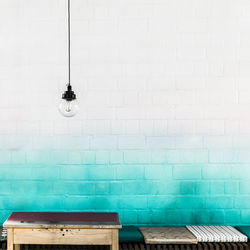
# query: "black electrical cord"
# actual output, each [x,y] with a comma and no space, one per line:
[69,94]
[69,51]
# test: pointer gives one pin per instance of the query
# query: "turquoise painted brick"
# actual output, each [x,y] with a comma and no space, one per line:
[133,202]
[242,201]
[144,217]
[202,187]
[187,217]
[33,187]
[87,172]
[161,216]
[193,202]
[15,173]
[217,202]
[45,187]
[82,157]
[245,187]
[116,188]
[176,217]
[173,187]
[74,187]
[31,202]
[136,187]
[163,187]
[102,188]
[158,172]
[187,172]
[40,157]
[47,203]
[232,217]
[6,187]
[217,172]
[232,187]
[245,217]
[200,216]
[146,190]
[187,187]
[103,202]
[217,187]
[74,172]
[129,217]
[217,217]
[5,203]
[45,173]
[101,173]
[134,172]
[76,203]
[241,171]
[161,202]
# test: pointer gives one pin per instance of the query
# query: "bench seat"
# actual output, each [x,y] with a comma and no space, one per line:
[245,230]
[130,234]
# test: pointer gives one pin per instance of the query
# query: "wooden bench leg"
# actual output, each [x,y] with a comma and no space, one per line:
[115,240]
[17,247]
[10,239]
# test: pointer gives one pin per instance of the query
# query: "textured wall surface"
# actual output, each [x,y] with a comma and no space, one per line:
[163,134]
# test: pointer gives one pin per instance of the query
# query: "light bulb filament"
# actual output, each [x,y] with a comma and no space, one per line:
[68,107]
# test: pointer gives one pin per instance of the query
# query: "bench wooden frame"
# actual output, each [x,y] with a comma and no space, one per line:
[62,236]
[58,233]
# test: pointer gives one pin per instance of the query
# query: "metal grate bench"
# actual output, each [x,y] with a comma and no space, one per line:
[135,244]
[3,238]
[142,246]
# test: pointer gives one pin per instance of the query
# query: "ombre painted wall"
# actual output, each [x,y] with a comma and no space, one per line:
[163,133]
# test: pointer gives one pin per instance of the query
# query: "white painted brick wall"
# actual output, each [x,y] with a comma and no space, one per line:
[158,81]
[132,61]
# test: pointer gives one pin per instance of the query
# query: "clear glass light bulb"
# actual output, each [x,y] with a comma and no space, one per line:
[68,108]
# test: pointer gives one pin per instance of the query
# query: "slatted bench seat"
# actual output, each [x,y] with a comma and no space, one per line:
[217,234]
[3,238]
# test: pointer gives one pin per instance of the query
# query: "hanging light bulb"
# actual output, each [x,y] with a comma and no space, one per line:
[68,106]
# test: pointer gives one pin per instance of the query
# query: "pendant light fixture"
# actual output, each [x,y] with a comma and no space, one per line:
[68,106]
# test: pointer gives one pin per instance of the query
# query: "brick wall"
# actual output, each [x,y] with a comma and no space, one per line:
[163,134]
